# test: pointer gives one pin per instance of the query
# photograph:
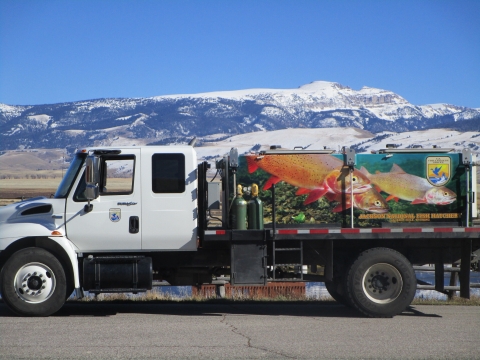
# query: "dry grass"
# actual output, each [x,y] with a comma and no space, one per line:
[29,184]
[13,190]
[473,301]
[33,160]
[119,184]
[150,295]
[153,296]
[16,188]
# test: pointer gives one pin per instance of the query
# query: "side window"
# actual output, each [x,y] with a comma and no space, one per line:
[168,173]
[117,178]
[117,175]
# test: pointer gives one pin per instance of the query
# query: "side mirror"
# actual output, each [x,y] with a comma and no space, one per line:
[92,173]
[91,192]
[92,177]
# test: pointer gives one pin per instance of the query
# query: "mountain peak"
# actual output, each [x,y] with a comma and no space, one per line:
[320,85]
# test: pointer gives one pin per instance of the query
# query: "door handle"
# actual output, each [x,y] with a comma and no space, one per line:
[134,225]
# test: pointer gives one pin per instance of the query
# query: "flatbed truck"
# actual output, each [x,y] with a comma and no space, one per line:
[124,218]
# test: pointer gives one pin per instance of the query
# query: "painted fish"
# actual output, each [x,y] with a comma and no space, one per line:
[313,174]
[401,185]
[370,201]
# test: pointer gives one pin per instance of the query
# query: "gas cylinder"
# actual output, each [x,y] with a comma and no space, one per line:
[255,210]
[239,211]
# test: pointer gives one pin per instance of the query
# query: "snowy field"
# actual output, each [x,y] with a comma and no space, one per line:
[335,138]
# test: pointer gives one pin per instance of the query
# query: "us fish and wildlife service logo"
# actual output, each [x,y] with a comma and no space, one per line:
[115,215]
[439,170]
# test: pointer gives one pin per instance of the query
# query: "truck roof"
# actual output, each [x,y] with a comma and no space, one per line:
[182,148]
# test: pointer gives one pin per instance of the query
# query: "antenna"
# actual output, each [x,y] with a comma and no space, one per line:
[193,141]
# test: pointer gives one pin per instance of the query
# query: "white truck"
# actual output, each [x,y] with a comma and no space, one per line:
[123,218]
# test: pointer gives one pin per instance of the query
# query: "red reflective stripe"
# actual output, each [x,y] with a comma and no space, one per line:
[413,230]
[319,231]
[350,231]
[381,230]
[220,232]
[443,230]
[287,232]
[475,229]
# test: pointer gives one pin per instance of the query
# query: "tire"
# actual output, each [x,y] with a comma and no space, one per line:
[333,289]
[381,283]
[336,287]
[33,283]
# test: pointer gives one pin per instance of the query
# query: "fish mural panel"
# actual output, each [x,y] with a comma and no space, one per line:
[371,201]
[318,187]
[313,174]
[401,185]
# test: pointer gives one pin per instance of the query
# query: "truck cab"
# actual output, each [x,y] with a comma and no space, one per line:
[130,200]
[145,199]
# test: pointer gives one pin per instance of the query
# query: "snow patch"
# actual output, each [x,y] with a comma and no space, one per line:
[43,118]
[10,111]
[271,111]
[124,118]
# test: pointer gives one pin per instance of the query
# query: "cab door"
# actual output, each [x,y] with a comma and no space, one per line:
[169,198]
[114,222]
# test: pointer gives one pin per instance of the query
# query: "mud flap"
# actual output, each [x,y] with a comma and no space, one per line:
[248,257]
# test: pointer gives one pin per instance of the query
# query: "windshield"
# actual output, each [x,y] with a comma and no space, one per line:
[69,178]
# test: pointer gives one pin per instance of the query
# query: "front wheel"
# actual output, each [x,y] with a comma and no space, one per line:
[33,283]
[381,283]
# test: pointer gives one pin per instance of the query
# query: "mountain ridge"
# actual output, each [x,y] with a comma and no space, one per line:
[175,118]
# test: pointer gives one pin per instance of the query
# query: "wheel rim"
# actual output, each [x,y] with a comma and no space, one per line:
[34,282]
[382,283]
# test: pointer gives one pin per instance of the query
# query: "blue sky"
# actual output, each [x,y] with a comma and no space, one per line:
[58,51]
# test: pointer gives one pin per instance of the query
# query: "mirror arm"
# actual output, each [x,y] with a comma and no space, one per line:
[88,207]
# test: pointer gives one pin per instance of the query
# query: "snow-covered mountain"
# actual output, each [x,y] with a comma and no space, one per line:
[217,115]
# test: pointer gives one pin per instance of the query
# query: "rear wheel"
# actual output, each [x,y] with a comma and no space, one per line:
[381,283]
[336,287]
[334,290]
[33,283]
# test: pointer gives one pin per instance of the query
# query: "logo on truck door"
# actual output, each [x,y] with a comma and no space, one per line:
[129,203]
[115,215]
[438,170]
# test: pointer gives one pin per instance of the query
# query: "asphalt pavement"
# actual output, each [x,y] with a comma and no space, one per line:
[238,330]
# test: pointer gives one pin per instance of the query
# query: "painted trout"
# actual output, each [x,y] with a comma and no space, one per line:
[400,185]
[314,174]
[370,200]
